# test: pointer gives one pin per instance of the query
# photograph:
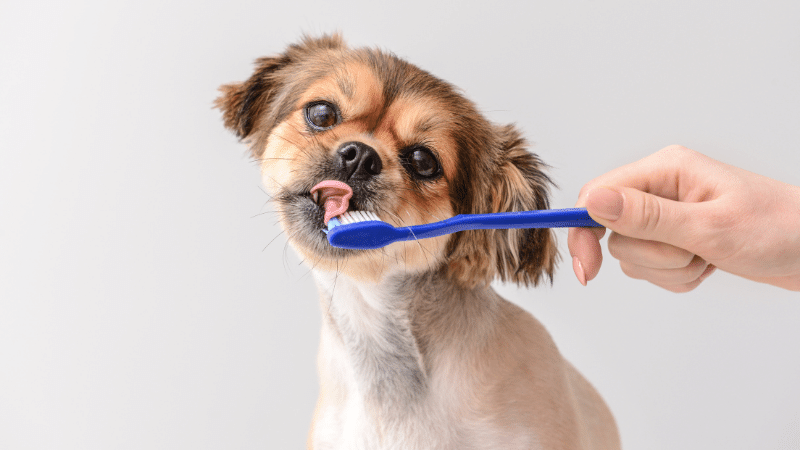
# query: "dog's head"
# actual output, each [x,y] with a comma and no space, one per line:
[411,148]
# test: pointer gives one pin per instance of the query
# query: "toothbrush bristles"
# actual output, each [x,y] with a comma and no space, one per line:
[357,216]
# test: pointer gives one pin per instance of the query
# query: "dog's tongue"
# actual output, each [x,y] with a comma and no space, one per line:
[334,196]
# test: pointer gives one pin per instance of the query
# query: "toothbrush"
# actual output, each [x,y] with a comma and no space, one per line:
[362,230]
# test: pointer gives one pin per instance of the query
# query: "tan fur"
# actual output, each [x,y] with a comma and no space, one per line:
[416,350]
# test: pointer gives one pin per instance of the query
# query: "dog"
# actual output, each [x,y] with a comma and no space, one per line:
[417,351]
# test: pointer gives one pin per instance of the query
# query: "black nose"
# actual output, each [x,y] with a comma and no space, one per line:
[359,161]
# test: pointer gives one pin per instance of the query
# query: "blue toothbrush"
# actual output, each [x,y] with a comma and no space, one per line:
[361,230]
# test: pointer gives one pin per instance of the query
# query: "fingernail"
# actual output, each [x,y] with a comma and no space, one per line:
[605,203]
[578,268]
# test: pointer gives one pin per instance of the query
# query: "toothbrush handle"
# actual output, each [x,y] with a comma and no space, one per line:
[546,218]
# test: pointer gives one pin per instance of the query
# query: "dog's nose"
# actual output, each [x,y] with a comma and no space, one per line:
[359,161]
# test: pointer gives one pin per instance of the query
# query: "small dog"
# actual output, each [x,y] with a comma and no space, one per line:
[417,351]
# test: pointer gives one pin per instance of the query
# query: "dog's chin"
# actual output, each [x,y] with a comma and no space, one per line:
[303,223]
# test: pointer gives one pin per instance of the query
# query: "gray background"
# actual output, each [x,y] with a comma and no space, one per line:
[141,308]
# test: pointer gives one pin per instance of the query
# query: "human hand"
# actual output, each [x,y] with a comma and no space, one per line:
[677,215]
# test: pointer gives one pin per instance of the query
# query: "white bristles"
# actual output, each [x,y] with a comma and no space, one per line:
[357,216]
[351,217]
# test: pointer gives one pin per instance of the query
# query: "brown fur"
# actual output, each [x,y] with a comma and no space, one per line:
[417,350]
[487,167]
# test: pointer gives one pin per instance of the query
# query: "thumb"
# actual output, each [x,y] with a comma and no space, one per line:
[640,215]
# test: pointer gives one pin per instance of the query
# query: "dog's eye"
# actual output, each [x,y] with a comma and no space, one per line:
[321,115]
[421,163]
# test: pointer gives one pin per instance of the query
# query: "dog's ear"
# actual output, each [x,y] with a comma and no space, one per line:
[516,182]
[244,104]
[520,184]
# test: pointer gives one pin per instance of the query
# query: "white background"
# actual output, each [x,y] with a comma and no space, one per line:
[141,308]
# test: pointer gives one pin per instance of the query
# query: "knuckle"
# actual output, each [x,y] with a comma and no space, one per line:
[674,257]
[676,151]
[678,154]
[649,214]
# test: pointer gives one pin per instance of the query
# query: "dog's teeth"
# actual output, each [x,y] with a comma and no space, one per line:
[315,197]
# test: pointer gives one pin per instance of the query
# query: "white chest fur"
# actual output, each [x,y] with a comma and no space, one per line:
[372,373]
[378,391]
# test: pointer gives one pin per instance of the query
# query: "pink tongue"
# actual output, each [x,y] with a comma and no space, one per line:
[335,197]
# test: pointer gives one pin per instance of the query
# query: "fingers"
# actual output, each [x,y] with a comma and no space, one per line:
[587,256]
[683,279]
[654,200]
[641,215]
[651,254]
[657,198]
[662,264]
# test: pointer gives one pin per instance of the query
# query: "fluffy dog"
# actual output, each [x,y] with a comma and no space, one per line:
[417,351]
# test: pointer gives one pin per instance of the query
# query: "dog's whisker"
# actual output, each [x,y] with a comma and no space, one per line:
[264,213]
[295,144]
[313,266]
[422,213]
[438,207]
[302,133]
[286,259]
[271,198]
[333,288]
[425,252]
[313,140]
[289,237]
[273,240]
[276,182]
[275,158]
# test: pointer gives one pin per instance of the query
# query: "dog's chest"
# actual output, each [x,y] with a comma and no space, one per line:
[353,427]
[377,390]
[370,340]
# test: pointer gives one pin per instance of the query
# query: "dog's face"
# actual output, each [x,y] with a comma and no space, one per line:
[411,148]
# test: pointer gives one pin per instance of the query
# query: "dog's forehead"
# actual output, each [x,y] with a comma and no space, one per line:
[353,87]
[375,87]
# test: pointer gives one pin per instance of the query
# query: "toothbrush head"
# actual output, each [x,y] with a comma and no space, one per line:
[360,230]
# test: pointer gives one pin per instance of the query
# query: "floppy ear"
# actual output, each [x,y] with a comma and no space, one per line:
[244,104]
[520,184]
[516,182]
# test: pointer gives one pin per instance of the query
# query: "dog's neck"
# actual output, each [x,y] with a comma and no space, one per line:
[388,337]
